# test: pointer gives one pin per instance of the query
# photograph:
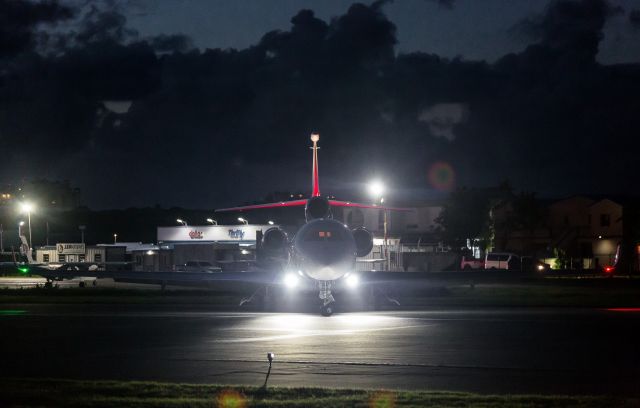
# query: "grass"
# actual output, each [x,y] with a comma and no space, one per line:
[106,394]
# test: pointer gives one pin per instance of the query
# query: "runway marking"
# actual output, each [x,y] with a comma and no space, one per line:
[308,333]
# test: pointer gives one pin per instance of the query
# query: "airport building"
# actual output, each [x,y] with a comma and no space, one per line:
[231,247]
[79,252]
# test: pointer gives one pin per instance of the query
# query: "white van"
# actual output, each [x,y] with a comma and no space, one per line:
[501,260]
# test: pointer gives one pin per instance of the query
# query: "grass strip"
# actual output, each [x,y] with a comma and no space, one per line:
[106,394]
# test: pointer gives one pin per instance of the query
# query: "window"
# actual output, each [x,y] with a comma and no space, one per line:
[62,258]
[45,258]
[81,258]
[605,220]
[97,257]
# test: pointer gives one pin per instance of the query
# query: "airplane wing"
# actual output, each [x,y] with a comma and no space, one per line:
[281,204]
[167,277]
[335,203]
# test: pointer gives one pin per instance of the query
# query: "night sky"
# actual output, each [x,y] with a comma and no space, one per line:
[208,103]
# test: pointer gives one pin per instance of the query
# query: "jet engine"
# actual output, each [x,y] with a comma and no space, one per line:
[275,244]
[364,241]
[317,207]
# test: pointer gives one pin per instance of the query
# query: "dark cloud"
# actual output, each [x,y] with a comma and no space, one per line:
[634,18]
[143,120]
[171,43]
[20,19]
[571,27]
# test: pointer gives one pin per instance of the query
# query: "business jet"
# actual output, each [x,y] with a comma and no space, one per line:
[323,250]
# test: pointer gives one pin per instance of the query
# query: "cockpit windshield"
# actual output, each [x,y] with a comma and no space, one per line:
[326,233]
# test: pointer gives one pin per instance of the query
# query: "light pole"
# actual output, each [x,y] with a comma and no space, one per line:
[20,224]
[212,221]
[376,189]
[27,207]
[179,221]
[244,221]
[115,239]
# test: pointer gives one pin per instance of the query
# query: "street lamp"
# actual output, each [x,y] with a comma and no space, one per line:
[179,221]
[270,222]
[376,189]
[27,208]
[243,221]
[212,221]
[115,239]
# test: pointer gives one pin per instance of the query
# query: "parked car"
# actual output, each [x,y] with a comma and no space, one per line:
[467,263]
[198,266]
[502,260]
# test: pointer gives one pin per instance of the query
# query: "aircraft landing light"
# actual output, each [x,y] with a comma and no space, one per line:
[291,280]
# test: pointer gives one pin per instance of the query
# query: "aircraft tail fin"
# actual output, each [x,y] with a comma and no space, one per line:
[315,182]
[24,249]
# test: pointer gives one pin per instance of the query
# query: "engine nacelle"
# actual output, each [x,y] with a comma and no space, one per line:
[275,242]
[364,241]
[317,207]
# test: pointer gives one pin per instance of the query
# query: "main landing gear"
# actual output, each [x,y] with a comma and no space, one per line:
[327,298]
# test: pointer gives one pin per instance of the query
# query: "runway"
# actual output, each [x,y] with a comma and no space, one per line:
[537,350]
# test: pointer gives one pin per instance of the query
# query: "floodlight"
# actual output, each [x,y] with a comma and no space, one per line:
[26,207]
[376,188]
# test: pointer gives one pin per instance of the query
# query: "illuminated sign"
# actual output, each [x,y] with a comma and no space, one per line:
[210,233]
[236,233]
[70,249]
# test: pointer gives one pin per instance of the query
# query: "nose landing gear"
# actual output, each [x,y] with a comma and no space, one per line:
[327,298]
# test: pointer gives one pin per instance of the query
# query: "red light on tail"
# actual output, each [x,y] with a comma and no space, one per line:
[609,269]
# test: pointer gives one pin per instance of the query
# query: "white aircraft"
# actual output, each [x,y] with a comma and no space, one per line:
[323,250]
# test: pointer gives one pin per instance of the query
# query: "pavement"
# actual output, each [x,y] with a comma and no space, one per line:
[524,350]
